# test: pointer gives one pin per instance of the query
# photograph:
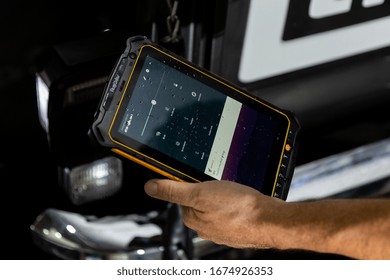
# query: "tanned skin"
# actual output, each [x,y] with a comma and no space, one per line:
[239,216]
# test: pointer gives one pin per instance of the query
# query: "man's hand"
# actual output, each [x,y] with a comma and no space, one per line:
[239,216]
[224,212]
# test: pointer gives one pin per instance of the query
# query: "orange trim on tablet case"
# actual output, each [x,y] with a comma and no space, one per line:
[147,165]
[221,81]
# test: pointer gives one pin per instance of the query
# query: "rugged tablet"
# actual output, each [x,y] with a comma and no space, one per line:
[188,124]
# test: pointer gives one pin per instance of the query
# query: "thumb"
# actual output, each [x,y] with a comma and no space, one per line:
[171,191]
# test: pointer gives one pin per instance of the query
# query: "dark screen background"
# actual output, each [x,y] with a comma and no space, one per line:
[184,119]
[251,148]
[178,115]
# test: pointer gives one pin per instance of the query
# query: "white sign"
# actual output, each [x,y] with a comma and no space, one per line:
[266,55]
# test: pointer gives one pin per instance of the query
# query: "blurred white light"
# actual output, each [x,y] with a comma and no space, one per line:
[141,252]
[43,102]
[71,229]
[95,180]
[372,3]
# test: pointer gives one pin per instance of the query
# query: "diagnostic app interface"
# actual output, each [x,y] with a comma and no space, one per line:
[195,124]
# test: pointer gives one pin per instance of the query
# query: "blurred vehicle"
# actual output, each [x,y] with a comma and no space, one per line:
[327,61]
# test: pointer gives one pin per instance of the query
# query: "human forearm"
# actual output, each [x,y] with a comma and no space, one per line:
[355,228]
[239,216]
